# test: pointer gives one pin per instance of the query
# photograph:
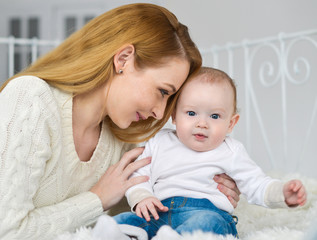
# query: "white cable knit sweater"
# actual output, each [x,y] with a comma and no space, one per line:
[44,187]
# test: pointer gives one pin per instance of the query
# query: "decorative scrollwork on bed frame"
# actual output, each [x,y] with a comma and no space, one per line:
[276,78]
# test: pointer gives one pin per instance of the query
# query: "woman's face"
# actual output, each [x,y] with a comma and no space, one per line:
[137,94]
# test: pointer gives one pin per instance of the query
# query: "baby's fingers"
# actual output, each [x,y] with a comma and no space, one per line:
[296,185]
[153,211]
[302,196]
[301,191]
[138,212]
[302,201]
[145,213]
[160,206]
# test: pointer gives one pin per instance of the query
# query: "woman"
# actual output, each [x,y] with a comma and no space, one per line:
[68,119]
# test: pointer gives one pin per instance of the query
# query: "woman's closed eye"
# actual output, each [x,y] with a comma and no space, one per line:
[164,92]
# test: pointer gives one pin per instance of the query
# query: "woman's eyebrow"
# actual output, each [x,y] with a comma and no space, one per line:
[172,87]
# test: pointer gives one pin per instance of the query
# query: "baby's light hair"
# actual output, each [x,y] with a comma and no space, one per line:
[214,75]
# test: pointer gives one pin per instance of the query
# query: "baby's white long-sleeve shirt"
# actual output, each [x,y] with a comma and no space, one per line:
[44,187]
[176,170]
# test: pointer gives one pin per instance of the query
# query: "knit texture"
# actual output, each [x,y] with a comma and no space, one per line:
[44,187]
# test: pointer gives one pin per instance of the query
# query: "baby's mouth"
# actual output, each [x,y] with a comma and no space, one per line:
[200,136]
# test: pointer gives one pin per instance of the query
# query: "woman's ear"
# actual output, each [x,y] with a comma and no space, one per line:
[124,56]
[233,122]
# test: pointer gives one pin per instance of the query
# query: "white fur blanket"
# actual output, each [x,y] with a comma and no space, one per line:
[255,223]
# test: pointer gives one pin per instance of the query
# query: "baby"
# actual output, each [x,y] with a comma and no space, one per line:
[181,191]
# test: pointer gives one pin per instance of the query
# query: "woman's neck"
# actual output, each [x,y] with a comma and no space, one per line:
[86,120]
[88,110]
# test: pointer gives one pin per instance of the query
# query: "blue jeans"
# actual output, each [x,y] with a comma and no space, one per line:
[185,215]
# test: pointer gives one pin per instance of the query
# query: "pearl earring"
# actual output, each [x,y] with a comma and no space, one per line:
[120,71]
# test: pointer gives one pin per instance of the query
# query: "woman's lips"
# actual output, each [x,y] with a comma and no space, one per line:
[139,116]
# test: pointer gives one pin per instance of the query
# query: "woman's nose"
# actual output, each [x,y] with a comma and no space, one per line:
[158,110]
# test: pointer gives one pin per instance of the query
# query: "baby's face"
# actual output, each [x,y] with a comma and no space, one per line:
[204,114]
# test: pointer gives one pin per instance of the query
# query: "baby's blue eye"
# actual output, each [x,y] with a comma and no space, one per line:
[191,113]
[215,116]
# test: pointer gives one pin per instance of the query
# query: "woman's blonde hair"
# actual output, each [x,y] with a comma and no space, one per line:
[84,61]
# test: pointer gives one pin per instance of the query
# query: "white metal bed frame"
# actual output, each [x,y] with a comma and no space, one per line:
[299,72]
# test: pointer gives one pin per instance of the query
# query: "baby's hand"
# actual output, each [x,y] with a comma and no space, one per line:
[150,204]
[294,193]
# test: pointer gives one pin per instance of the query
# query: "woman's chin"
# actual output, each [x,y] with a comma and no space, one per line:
[124,125]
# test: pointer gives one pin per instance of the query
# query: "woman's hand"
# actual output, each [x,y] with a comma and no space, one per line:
[228,187]
[112,186]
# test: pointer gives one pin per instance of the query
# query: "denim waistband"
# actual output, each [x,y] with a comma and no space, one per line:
[178,202]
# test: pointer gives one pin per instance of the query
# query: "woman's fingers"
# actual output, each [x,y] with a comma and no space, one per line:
[132,167]
[112,185]
[129,157]
[227,182]
[136,180]
[127,165]
[233,197]
[233,202]
[228,187]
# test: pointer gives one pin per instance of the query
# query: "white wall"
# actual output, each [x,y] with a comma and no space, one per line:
[210,21]
[217,22]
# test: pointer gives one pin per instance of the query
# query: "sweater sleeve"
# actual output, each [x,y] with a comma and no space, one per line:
[27,122]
